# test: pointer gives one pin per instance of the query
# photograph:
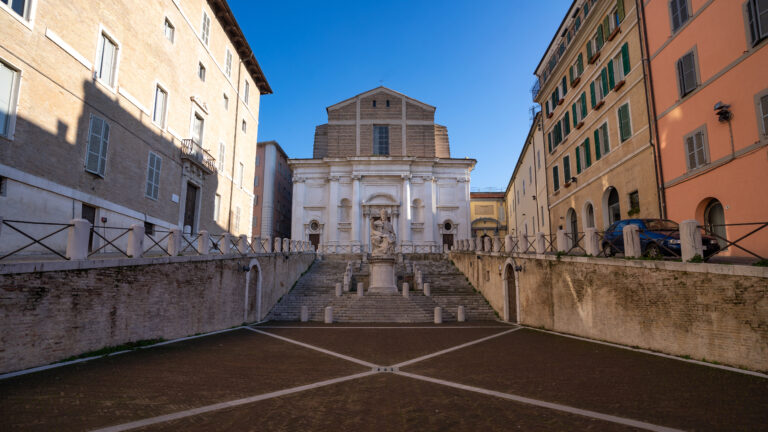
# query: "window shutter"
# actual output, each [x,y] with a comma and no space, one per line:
[566,169]
[680,77]
[620,9]
[754,32]
[103,152]
[688,68]
[570,74]
[700,156]
[578,161]
[587,153]
[566,123]
[600,37]
[579,65]
[575,115]
[158,165]
[764,108]
[589,50]
[675,12]
[94,145]
[624,123]
[555,178]
[583,105]
[565,87]
[549,141]
[611,78]
[604,80]
[592,93]
[597,144]
[625,59]
[690,147]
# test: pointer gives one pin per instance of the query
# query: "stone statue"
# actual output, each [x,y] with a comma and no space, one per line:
[382,236]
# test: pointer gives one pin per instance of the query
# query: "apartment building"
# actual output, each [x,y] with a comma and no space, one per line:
[122,114]
[487,210]
[599,156]
[272,190]
[526,193]
[709,70]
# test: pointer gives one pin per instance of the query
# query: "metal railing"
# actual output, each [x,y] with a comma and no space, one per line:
[194,152]
[36,239]
[109,239]
[711,230]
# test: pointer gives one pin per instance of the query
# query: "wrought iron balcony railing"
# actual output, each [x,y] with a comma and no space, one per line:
[192,151]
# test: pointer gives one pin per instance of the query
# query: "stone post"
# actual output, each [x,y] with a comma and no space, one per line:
[479,244]
[509,243]
[360,289]
[541,243]
[242,244]
[445,248]
[406,290]
[487,244]
[471,246]
[460,314]
[304,314]
[525,245]
[496,244]
[286,245]
[632,247]
[278,245]
[174,242]
[136,241]
[225,244]
[347,280]
[338,289]
[438,315]
[591,242]
[203,242]
[427,290]
[77,239]
[562,241]
[328,315]
[690,240]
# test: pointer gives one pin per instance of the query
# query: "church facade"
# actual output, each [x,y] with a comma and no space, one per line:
[380,150]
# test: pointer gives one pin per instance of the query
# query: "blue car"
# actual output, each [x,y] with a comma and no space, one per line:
[658,238]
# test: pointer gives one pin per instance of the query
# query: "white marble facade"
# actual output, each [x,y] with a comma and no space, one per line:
[336,200]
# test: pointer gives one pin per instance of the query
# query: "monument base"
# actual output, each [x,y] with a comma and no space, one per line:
[382,275]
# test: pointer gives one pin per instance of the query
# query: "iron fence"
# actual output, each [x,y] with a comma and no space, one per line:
[715,232]
[115,234]
[35,238]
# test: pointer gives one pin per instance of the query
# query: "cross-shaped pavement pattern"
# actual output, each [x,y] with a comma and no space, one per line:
[478,376]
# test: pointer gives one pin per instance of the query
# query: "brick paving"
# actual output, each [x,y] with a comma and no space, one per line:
[199,373]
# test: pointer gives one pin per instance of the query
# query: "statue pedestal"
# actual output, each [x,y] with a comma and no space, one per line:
[382,275]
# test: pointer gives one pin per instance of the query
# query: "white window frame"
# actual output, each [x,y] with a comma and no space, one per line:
[618,68]
[618,122]
[164,123]
[599,96]
[166,24]
[29,20]
[200,114]
[205,28]
[14,100]
[102,148]
[103,32]
[222,155]
[246,92]
[156,170]
[705,144]
[228,63]
[216,207]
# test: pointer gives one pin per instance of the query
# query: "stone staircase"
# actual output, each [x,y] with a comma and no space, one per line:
[316,290]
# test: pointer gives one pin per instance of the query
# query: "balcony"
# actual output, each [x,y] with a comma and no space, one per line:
[192,152]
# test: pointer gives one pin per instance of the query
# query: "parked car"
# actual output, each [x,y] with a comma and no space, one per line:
[658,237]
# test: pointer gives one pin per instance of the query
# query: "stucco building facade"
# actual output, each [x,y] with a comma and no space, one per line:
[380,150]
[600,160]
[133,115]
[489,215]
[272,190]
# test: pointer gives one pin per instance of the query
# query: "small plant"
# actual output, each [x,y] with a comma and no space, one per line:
[696,259]
[633,211]
[761,263]
[559,255]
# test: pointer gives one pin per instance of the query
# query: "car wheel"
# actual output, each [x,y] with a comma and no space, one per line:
[653,251]
[607,250]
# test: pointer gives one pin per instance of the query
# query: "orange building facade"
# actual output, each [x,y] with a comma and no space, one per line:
[709,94]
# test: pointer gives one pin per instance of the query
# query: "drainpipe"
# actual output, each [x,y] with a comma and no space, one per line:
[234,147]
[651,108]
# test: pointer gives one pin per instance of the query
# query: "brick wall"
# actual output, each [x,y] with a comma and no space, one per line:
[705,311]
[47,316]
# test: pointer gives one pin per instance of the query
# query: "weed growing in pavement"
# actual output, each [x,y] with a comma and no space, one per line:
[696,259]
[761,263]
[130,346]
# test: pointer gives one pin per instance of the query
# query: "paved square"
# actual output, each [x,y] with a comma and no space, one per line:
[479,376]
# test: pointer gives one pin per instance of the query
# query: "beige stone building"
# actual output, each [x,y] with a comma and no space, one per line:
[489,217]
[122,114]
[526,193]
[599,158]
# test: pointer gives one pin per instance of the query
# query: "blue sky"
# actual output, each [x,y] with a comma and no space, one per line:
[473,60]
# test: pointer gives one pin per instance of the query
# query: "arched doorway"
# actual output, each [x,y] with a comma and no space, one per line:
[714,220]
[510,293]
[571,227]
[612,212]
[589,215]
[252,301]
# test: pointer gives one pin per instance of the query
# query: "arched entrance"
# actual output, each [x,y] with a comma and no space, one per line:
[714,220]
[571,227]
[611,206]
[511,293]
[252,300]
[589,215]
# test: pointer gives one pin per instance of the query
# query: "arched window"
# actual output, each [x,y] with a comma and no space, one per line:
[571,227]
[590,216]
[612,205]
[418,211]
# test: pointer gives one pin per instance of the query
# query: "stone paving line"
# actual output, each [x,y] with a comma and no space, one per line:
[387,369]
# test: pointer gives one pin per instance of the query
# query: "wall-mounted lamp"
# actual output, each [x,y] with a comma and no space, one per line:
[723,112]
[518,268]
[573,180]
[534,197]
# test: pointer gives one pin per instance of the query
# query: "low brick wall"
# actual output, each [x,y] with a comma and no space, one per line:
[52,311]
[705,311]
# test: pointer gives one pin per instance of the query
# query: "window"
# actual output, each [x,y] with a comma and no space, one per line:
[538,157]
[240,169]
[579,109]
[557,135]
[198,128]
[222,155]
[9,86]
[577,69]
[247,92]
[106,63]
[20,7]
[255,182]
[567,168]
[205,30]
[763,113]
[161,102]
[579,159]
[619,67]
[216,207]
[201,72]
[387,103]
[257,160]
[169,30]
[381,140]
[617,16]
[523,187]
[98,140]
[564,87]
[625,123]
[757,20]
[555,178]
[678,12]
[634,202]
[696,148]
[244,127]
[587,152]
[566,124]
[602,144]
[225,99]
[686,73]
[237,219]
[153,176]
[374,103]
[228,62]
[3,186]
[597,91]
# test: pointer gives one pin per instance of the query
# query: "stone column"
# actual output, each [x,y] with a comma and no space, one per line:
[360,289]
[430,209]
[479,244]
[427,289]
[632,248]
[174,242]
[278,245]
[267,244]
[562,241]
[297,215]
[304,314]
[225,244]
[405,210]
[328,314]
[332,227]
[338,289]
[690,240]
[541,243]
[438,315]
[524,244]
[406,290]
[487,244]
[136,241]
[591,242]
[509,243]
[355,233]
[203,242]
[77,239]
[286,245]
[460,314]
[242,244]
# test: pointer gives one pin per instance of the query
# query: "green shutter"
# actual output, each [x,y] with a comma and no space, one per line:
[565,87]
[604,80]
[606,26]
[592,92]
[625,58]
[600,39]
[583,105]
[597,144]
[587,153]
[620,9]
[570,74]
[611,78]
[624,123]
[566,124]
[589,50]
[573,109]
[578,161]
[549,141]
[580,65]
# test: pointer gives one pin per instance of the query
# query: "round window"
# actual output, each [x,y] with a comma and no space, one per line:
[447,226]
[314,226]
